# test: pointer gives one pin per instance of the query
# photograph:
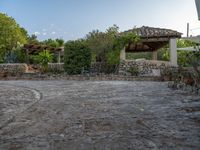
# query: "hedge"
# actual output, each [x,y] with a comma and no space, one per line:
[77,57]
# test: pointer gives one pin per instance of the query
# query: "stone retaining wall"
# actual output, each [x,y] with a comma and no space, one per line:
[145,67]
[99,67]
[13,69]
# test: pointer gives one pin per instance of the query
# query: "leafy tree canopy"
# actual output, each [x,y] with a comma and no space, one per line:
[54,43]
[33,39]
[106,46]
[11,34]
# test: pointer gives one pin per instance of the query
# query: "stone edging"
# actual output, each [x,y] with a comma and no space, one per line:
[81,77]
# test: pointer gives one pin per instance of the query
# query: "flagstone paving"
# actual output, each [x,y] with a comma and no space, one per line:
[102,115]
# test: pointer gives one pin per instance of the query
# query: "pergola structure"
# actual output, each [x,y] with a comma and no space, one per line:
[35,49]
[152,39]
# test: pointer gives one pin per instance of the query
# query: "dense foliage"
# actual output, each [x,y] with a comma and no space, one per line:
[97,46]
[11,36]
[17,55]
[44,58]
[106,46]
[185,58]
[100,44]
[53,43]
[77,57]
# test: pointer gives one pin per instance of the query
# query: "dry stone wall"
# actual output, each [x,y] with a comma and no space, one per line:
[13,68]
[145,67]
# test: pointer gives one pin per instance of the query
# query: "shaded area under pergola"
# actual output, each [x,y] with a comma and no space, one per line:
[34,49]
[152,39]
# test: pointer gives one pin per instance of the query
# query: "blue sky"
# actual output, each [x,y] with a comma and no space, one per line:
[72,19]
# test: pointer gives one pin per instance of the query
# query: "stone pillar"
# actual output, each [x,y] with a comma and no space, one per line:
[173,51]
[154,55]
[123,54]
[59,57]
[27,56]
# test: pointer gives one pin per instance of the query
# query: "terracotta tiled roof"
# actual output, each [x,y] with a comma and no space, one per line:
[151,32]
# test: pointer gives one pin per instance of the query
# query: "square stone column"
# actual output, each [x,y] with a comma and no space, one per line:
[154,55]
[173,51]
[59,57]
[123,54]
[27,57]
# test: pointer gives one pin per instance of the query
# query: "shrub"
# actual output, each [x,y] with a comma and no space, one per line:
[106,46]
[15,56]
[77,57]
[169,73]
[10,57]
[134,70]
[44,58]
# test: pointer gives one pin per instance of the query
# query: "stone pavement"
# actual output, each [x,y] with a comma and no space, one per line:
[102,115]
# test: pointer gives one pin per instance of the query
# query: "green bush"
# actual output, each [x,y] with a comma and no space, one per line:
[33,59]
[106,46]
[16,55]
[134,70]
[20,55]
[43,58]
[77,57]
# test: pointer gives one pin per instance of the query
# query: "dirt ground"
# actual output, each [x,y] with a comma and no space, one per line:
[103,115]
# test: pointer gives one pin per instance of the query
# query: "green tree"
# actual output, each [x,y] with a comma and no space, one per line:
[100,43]
[106,46]
[11,35]
[60,42]
[57,43]
[54,43]
[33,39]
[126,39]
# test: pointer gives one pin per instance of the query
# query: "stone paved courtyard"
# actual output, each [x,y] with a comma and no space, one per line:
[101,115]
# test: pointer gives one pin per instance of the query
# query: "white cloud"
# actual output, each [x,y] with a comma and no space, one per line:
[44,33]
[53,32]
[52,25]
[36,33]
